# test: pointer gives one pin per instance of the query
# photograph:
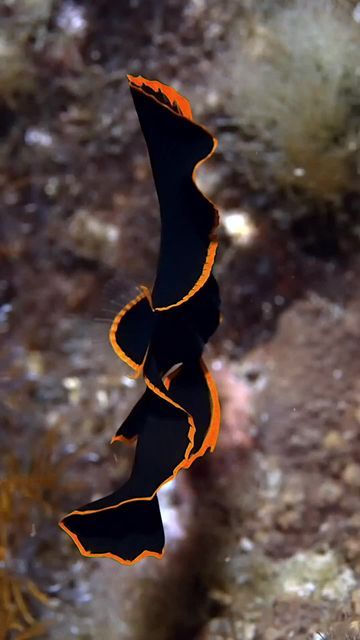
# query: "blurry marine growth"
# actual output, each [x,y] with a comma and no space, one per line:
[161,335]
[294,92]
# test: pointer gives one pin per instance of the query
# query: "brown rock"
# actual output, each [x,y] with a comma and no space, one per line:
[352,548]
[329,493]
[351,475]
[289,520]
[355,600]
[271,634]
[333,441]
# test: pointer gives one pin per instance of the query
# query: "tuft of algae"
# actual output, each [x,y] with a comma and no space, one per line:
[28,497]
[293,85]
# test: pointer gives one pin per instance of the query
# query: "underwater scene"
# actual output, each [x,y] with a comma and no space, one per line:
[180,320]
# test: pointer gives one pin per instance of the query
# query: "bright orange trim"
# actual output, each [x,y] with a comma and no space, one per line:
[88,554]
[214,427]
[205,274]
[115,325]
[209,442]
[216,409]
[123,439]
[170,377]
[137,82]
[213,431]
[191,434]
[192,428]
[147,295]
[174,96]
[167,381]
[112,556]
[211,252]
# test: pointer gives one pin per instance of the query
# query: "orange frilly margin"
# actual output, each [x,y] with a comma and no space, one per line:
[184,105]
[172,95]
[214,427]
[111,556]
[137,367]
[209,443]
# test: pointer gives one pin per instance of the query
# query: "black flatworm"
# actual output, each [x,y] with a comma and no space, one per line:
[161,335]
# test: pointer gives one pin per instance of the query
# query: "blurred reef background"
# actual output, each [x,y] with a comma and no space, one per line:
[264,535]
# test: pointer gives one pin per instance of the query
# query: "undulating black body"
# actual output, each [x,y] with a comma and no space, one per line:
[161,334]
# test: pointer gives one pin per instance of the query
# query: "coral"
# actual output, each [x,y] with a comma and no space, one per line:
[295,94]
